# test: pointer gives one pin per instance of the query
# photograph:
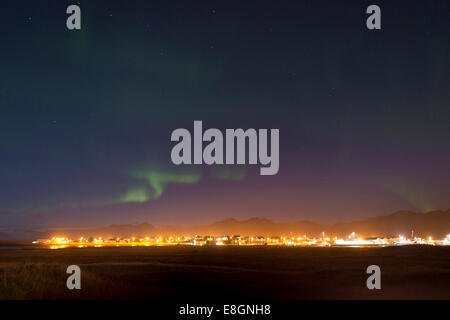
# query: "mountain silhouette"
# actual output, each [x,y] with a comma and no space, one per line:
[435,224]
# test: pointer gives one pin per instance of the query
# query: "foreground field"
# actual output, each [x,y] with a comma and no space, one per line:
[217,273]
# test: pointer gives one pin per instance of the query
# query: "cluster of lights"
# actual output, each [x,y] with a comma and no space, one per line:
[351,241]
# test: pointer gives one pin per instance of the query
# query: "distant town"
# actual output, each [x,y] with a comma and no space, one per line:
[353,240]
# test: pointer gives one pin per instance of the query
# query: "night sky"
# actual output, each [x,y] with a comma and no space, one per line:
[86,116]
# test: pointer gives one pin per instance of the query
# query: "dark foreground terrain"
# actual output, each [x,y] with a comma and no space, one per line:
[217,273]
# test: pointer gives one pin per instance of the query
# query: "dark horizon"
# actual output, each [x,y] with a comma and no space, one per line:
[435,224]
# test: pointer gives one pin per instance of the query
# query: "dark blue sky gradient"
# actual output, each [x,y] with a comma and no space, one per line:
[363,115]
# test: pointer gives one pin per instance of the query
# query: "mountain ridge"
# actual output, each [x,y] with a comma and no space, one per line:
[434,223]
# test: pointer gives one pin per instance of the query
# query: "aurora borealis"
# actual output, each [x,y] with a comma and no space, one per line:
[86,116]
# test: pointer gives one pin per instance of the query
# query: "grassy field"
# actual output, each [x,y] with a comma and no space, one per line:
[217,273]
